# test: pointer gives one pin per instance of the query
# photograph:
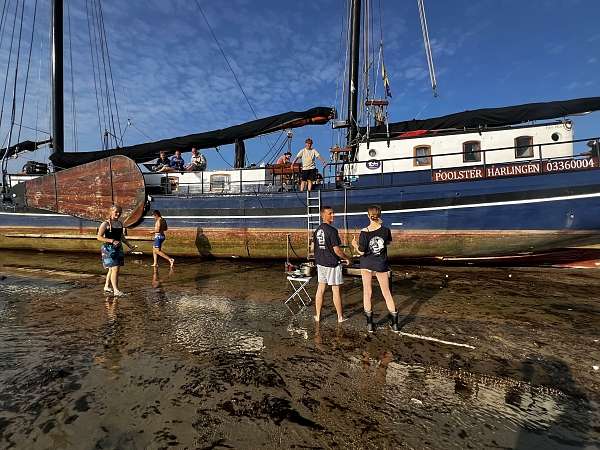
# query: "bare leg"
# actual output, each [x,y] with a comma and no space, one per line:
[337,302]
[107,282]
[154,257]
[114,278]
[319,300]
[367,278]
[309,185]
[302,184]
[162,254]
[384,284]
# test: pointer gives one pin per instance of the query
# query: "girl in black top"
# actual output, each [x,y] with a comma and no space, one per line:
[372,247]
[113,257]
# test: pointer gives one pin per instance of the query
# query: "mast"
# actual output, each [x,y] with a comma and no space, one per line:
[58,120]
[353,75]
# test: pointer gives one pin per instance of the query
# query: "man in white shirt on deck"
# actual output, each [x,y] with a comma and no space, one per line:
[309,167]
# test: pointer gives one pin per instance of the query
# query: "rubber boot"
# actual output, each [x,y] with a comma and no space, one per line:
[370,326]
[394,322]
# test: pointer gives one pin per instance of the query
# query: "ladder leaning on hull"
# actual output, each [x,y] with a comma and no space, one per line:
[313,219]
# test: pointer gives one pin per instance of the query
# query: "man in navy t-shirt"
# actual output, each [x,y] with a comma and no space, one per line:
[326,241]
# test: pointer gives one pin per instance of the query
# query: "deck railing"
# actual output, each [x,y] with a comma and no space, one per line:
[333,176]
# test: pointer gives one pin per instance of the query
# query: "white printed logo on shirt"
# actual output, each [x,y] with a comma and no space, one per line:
[321,239]
[376,245]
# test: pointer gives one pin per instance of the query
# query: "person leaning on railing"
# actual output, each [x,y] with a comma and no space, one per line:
[163,163]
[177,162]
[197,161]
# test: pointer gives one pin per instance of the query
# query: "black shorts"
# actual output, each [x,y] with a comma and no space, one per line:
[310,174]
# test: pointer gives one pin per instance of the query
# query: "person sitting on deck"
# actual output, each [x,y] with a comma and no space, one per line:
[163,163]
[177,162]
[197,161]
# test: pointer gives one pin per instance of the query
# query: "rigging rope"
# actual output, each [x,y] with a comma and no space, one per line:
[221,156]
[91,15]
[225,57]
[427,46]
[9,62]
[103,51]
[112,81]
[73,109]
[27,73]
[3,21]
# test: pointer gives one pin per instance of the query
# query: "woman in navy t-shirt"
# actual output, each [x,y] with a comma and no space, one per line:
[372,247]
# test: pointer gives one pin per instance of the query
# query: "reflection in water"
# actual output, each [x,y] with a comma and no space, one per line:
[208,324]
[111,355]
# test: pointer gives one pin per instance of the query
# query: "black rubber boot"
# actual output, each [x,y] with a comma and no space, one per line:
[370,326]
[394,322]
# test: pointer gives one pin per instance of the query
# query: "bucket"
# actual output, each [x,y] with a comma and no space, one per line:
[307,269]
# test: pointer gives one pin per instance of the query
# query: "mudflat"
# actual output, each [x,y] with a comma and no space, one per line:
[208,356]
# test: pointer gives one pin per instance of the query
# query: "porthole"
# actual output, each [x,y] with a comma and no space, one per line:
[372,153]
[555,136]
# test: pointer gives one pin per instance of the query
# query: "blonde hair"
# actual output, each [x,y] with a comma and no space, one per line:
[116,208]
[374,213]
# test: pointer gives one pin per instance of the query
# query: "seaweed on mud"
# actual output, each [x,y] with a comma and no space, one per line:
[230,370]
[272,408]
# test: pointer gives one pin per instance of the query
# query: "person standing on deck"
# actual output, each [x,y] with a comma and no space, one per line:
[113,257]
[372,247]
[309,167]
[160,226]
[326,241]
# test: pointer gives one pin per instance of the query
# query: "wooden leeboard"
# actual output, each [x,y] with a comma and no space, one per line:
[89,190]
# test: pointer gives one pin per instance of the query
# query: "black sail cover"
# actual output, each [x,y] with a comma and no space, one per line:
[492,117]
[145,152]
[25,146]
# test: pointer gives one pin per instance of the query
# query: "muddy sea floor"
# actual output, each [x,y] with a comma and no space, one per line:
[208,356]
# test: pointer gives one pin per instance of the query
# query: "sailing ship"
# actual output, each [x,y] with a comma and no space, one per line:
[478,184]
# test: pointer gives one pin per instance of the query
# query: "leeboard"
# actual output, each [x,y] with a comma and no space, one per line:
[89,190]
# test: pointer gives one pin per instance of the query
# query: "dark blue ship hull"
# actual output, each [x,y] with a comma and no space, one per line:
[476,218]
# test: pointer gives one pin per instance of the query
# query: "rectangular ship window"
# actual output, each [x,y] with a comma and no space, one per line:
[471,151]
[219,182]
[524,147]
[422,155]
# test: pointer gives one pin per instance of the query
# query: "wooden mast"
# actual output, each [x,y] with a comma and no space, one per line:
[57,77]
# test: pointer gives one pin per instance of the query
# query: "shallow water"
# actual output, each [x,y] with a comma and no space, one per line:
[208,356]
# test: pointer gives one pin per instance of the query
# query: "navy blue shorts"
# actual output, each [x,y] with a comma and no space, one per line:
[310,174]
[159,238]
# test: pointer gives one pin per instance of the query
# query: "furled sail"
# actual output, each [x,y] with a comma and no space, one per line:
[25,146]
[492,117]
[145,152]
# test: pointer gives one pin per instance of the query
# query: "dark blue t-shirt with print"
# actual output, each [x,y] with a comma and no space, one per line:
[325,238]
[374,246]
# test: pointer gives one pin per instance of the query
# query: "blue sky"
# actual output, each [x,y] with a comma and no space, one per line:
[172,80]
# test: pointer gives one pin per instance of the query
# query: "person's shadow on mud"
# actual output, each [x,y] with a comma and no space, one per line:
[419,294]
[571,426]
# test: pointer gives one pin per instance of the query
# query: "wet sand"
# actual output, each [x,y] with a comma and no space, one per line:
[208,356]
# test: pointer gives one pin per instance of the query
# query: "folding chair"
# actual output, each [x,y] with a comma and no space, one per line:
[298,284]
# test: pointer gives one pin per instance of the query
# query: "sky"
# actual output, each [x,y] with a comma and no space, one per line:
[171,78]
